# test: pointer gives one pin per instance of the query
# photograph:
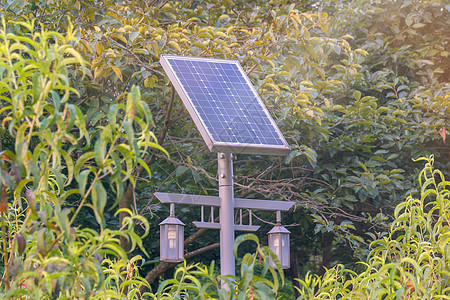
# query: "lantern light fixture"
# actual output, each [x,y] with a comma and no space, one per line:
[171,238]
[279,243]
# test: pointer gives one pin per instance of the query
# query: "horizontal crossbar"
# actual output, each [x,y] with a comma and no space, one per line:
[215,201]
[239,227]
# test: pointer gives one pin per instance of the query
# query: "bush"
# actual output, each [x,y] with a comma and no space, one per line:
[52,172]
[411,261]
[256,279]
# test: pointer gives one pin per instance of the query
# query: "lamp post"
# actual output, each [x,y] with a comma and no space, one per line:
[279,243]
[227,205]
[231,118]
[172,238]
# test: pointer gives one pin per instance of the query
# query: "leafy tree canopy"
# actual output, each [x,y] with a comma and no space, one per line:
[357,87]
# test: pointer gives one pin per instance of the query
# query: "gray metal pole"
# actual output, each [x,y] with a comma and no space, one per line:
[226,195]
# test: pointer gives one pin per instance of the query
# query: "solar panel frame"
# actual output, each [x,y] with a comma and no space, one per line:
[213,144]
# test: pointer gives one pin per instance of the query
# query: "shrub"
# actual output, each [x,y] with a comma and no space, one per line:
[56,168]
[411,261]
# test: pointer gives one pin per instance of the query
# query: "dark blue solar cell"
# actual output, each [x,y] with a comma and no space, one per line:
[224,101]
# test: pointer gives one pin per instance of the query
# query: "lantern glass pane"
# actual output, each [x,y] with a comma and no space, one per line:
[285,251]
[274,244]
[162,242]
[172,252]
[172,236]
[180,243]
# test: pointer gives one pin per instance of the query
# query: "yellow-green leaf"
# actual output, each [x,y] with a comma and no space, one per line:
[223,17]
[175,45]
[120,37]
[149,82]
[361,51]
[273,86]
[96,62]
[118,73]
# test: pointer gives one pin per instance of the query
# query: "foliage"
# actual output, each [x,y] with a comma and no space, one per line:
[357,87]
[200,282]
[410,261]
[122,280]
[49,170]
[196,281]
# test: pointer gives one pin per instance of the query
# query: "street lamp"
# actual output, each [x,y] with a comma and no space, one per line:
[171,238]
[231,118]
[279,243]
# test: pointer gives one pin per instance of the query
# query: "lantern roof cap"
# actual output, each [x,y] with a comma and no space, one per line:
[278,229]
[172,220]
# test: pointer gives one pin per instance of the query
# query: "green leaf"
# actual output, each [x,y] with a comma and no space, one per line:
[181,170]
[145,166]
[56,99]
[242,238]
[100,152]
[132,36]
[82,180]
[99,200]
[131,140]
[19,189]
[409,19]
[82,162]
[65,225]
[59,179]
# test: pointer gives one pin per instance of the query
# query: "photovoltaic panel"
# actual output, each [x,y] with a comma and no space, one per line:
[224,105]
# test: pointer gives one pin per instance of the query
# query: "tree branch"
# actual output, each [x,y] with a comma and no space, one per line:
[128,196]
[164,266]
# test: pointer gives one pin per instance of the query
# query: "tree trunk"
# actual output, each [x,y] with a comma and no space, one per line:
[327,243]
[126,202]
[293,270]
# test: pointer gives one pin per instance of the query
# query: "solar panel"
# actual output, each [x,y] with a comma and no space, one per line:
[224,105]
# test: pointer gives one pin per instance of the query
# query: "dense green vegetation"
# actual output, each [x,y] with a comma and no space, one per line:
[91,127]
[409,261]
